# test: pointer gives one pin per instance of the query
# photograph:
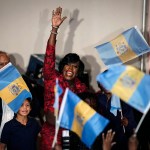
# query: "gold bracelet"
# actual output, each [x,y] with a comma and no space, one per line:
[55,27]
[54,32]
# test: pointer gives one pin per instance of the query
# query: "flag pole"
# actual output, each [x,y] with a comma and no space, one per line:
[143,31]
[56,113]
[62,106]
[56,133]
[57,124]
[142,118]
[122,118]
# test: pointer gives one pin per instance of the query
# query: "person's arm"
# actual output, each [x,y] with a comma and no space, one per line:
[49,61]
[49,65]
[108,140]
[2,146]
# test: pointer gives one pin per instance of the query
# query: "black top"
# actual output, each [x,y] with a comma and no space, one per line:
[20,137]
[115,124]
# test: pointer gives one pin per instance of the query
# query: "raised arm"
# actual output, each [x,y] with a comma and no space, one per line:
[56,22]
[49,61]
[49,71]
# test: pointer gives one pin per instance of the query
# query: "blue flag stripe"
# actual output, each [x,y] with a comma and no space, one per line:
[58,91]
[89,135]
[72,101]
[136,42]
[141,96]
[105,54]
[109,84]
[14,74]
[17,102]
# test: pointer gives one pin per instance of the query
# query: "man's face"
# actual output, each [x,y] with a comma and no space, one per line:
[4,60]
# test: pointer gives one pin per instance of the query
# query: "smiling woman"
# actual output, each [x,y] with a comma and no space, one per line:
[70,67]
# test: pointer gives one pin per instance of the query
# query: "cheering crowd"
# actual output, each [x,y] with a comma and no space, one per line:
[22,131]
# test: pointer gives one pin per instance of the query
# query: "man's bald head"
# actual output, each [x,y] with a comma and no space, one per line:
[4,59]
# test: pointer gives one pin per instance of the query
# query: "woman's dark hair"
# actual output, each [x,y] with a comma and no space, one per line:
[71,58]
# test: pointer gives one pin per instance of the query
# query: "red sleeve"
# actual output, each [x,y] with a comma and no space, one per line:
[49,62]
[49,73]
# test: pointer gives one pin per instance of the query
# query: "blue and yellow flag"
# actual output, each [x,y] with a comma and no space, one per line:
[127,46]
[79,117]
[128,83]
[13,89]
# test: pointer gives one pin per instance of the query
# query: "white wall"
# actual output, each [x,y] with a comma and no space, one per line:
[25,27]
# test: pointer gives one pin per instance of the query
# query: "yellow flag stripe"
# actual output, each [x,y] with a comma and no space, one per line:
[83,112]
[122,49]
[128,81]
[10,92]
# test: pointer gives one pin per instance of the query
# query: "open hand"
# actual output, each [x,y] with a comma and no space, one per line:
[108,140]
[56,17]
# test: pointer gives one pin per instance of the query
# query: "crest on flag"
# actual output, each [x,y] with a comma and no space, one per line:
[121,48]
[14,89]
[127,81]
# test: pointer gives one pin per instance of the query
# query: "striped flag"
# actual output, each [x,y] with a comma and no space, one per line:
[13,89]
[78,116]
[126,46]
[128,83]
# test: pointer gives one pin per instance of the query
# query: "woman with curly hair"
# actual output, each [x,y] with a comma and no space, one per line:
[68,70]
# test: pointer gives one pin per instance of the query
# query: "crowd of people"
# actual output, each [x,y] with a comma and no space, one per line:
[21,132]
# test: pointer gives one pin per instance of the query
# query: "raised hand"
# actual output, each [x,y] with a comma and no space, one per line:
[56,22]
[108,140]
[56,17]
